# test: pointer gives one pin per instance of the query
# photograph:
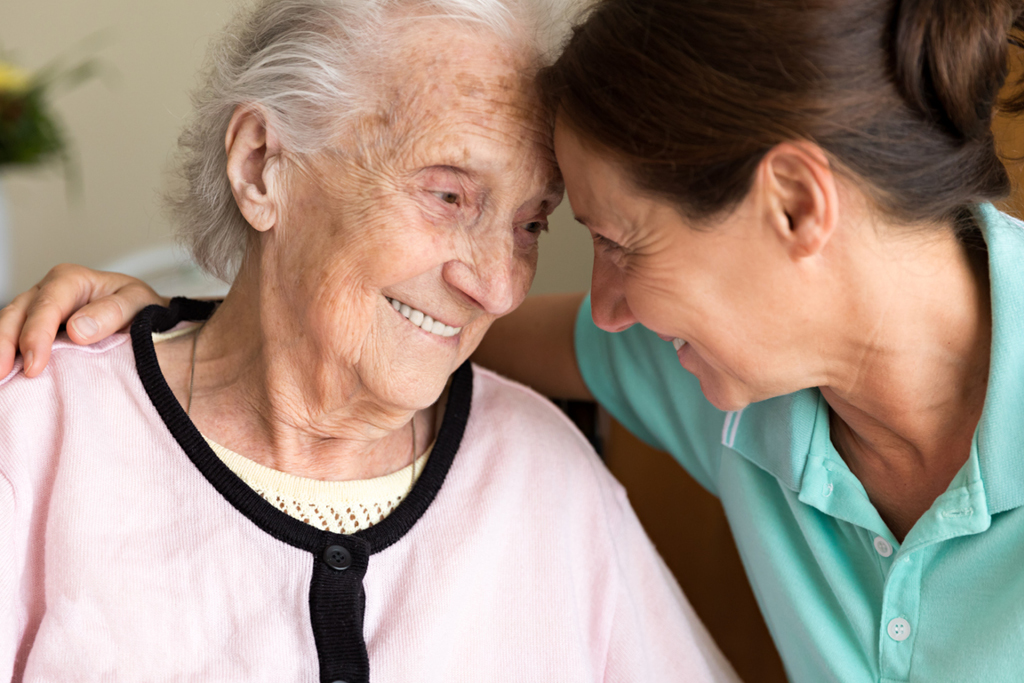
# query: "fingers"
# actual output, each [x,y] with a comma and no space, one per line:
[12,318]
[97,303]
[46,306]
[104,316]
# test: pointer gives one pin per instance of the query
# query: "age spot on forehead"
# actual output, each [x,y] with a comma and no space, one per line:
[469,85]
[442,77]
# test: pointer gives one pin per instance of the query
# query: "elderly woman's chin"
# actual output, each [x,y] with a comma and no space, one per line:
[406,366]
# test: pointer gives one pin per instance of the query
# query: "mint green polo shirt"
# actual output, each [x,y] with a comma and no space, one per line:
[844,601]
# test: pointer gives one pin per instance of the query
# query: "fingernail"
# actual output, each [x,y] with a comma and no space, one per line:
[85,326]
[28,360]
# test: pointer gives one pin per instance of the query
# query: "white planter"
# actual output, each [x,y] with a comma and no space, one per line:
[6,253]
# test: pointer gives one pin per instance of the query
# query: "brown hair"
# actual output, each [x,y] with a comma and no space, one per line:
[689,95]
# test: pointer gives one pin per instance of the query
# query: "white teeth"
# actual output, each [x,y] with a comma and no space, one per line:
[678,343]
[423,321]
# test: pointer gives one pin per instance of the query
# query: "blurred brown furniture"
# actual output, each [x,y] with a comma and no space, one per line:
[1009,132]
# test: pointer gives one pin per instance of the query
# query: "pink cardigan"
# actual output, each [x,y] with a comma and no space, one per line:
[128,551]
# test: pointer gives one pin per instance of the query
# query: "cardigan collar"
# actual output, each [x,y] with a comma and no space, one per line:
[273,521]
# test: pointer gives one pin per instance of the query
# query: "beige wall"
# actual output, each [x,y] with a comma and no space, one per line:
[124,132]
[566,255]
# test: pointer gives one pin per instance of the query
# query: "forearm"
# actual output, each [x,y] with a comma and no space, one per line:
[534,345]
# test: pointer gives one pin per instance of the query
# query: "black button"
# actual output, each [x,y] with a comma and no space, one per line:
[338,681]
[338,557]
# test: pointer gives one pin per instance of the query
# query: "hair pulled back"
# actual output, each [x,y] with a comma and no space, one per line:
[689,95]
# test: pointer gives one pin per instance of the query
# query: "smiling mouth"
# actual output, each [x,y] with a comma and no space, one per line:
[678,343]
[422,320]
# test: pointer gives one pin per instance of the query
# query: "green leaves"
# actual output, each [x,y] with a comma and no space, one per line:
[29,134]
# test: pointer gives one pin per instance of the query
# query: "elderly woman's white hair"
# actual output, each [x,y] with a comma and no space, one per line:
[303,64]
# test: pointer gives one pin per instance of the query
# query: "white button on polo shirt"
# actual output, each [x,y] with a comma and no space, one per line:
[883,546]
[899,629]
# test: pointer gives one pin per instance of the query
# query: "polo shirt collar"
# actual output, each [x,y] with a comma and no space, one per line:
[1000,434]
[781,434]
[777,434]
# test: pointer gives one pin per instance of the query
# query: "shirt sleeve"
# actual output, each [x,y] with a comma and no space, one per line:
[656,636]
[9,627]
[15,445]
[637,378]
[28,464]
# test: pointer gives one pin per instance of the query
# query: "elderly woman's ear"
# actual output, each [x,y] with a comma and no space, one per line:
[253,151]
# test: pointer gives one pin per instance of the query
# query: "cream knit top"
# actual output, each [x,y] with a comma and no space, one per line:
[343,507]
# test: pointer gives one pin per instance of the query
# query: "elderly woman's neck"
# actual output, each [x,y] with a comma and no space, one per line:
[267,390]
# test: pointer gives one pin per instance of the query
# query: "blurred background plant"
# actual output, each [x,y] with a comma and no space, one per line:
[29,132]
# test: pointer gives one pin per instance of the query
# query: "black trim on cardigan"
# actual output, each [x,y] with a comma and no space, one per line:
[336,597]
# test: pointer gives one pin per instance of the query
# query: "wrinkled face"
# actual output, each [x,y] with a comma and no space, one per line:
[404,246]
[725,290]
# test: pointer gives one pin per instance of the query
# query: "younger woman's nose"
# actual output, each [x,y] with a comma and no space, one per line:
[608,303]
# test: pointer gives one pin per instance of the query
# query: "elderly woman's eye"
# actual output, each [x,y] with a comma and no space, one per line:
[447,197]
[535,227]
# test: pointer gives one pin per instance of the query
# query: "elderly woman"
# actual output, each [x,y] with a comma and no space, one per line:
[797,197]
[275,489]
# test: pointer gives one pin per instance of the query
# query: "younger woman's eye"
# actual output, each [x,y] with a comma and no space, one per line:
[447,197]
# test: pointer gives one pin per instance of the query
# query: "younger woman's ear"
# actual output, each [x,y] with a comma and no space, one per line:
[802,198]
[253,151]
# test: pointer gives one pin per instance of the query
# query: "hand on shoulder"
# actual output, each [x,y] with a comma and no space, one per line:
[94,304]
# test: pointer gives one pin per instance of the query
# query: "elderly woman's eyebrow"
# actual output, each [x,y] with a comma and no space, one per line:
[556,188]
[453,168]
[477,176]
[461,171]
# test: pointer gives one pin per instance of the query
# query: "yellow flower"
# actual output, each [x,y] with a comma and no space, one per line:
[12,78]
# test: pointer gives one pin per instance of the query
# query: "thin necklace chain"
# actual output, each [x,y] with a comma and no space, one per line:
[192,382]
[412,480]
[192,370]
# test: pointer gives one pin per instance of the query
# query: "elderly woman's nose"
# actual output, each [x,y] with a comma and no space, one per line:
[492,278]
